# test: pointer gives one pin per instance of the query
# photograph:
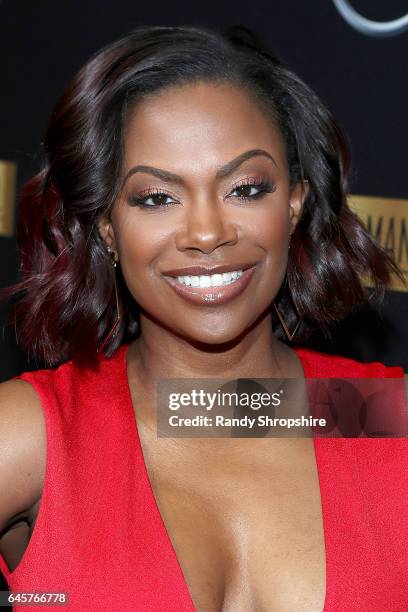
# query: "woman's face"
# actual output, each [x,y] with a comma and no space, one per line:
[205,184]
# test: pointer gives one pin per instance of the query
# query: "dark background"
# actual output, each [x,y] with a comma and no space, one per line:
[362,79]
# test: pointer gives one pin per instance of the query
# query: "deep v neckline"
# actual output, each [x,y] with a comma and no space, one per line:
[187,604]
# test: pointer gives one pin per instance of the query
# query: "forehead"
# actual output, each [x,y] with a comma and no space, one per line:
[199,124]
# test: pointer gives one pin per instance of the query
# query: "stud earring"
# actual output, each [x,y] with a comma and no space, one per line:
[115,260]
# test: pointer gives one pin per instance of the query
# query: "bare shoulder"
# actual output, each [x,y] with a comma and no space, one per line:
[22,449]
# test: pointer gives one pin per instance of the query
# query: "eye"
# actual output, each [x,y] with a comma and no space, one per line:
[153,198]
[247,191]
[252,190]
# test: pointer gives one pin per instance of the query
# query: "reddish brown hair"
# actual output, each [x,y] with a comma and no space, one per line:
[66,294]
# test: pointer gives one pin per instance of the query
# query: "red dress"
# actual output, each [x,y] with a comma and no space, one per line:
[99,535]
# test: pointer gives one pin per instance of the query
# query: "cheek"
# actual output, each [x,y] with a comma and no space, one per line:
[273,235]
[141,243]
[272,228]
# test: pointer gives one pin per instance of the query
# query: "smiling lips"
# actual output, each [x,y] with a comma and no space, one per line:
[215,285]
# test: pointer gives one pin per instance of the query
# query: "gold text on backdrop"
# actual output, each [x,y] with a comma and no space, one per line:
[8,172]
[387,221]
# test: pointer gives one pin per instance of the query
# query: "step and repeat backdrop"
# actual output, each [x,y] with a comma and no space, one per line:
[354,54]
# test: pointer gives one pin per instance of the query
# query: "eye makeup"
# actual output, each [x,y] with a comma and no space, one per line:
[247,189]
[249,183]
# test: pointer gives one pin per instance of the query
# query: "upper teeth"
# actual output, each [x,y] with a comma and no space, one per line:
[210,280]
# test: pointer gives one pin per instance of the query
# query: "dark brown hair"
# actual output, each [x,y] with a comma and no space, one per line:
[66,294]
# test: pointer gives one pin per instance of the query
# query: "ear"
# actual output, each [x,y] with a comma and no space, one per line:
[297,198]
[106,231]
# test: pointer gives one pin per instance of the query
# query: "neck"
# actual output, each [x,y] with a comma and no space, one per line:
[160,353]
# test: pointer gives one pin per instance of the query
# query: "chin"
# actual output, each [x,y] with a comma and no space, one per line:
[215,337]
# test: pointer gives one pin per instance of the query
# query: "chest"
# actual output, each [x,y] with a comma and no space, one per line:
[246,525]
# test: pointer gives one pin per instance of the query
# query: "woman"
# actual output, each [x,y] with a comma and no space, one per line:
[190,221]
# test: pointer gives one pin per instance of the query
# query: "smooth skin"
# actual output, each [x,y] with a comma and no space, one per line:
[244,515]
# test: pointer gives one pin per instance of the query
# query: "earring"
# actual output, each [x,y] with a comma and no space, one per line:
[115,260]
[289,335]
[114,255]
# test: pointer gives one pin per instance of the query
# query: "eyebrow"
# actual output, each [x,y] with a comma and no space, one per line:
[170,177]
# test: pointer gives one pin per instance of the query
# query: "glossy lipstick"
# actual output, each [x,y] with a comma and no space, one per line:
[212,295]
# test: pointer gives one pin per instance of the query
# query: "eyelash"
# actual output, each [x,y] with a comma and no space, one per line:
[263,187]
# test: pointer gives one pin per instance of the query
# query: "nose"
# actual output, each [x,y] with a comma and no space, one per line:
[205,227]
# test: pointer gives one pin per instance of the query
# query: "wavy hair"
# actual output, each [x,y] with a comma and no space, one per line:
[66,303]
